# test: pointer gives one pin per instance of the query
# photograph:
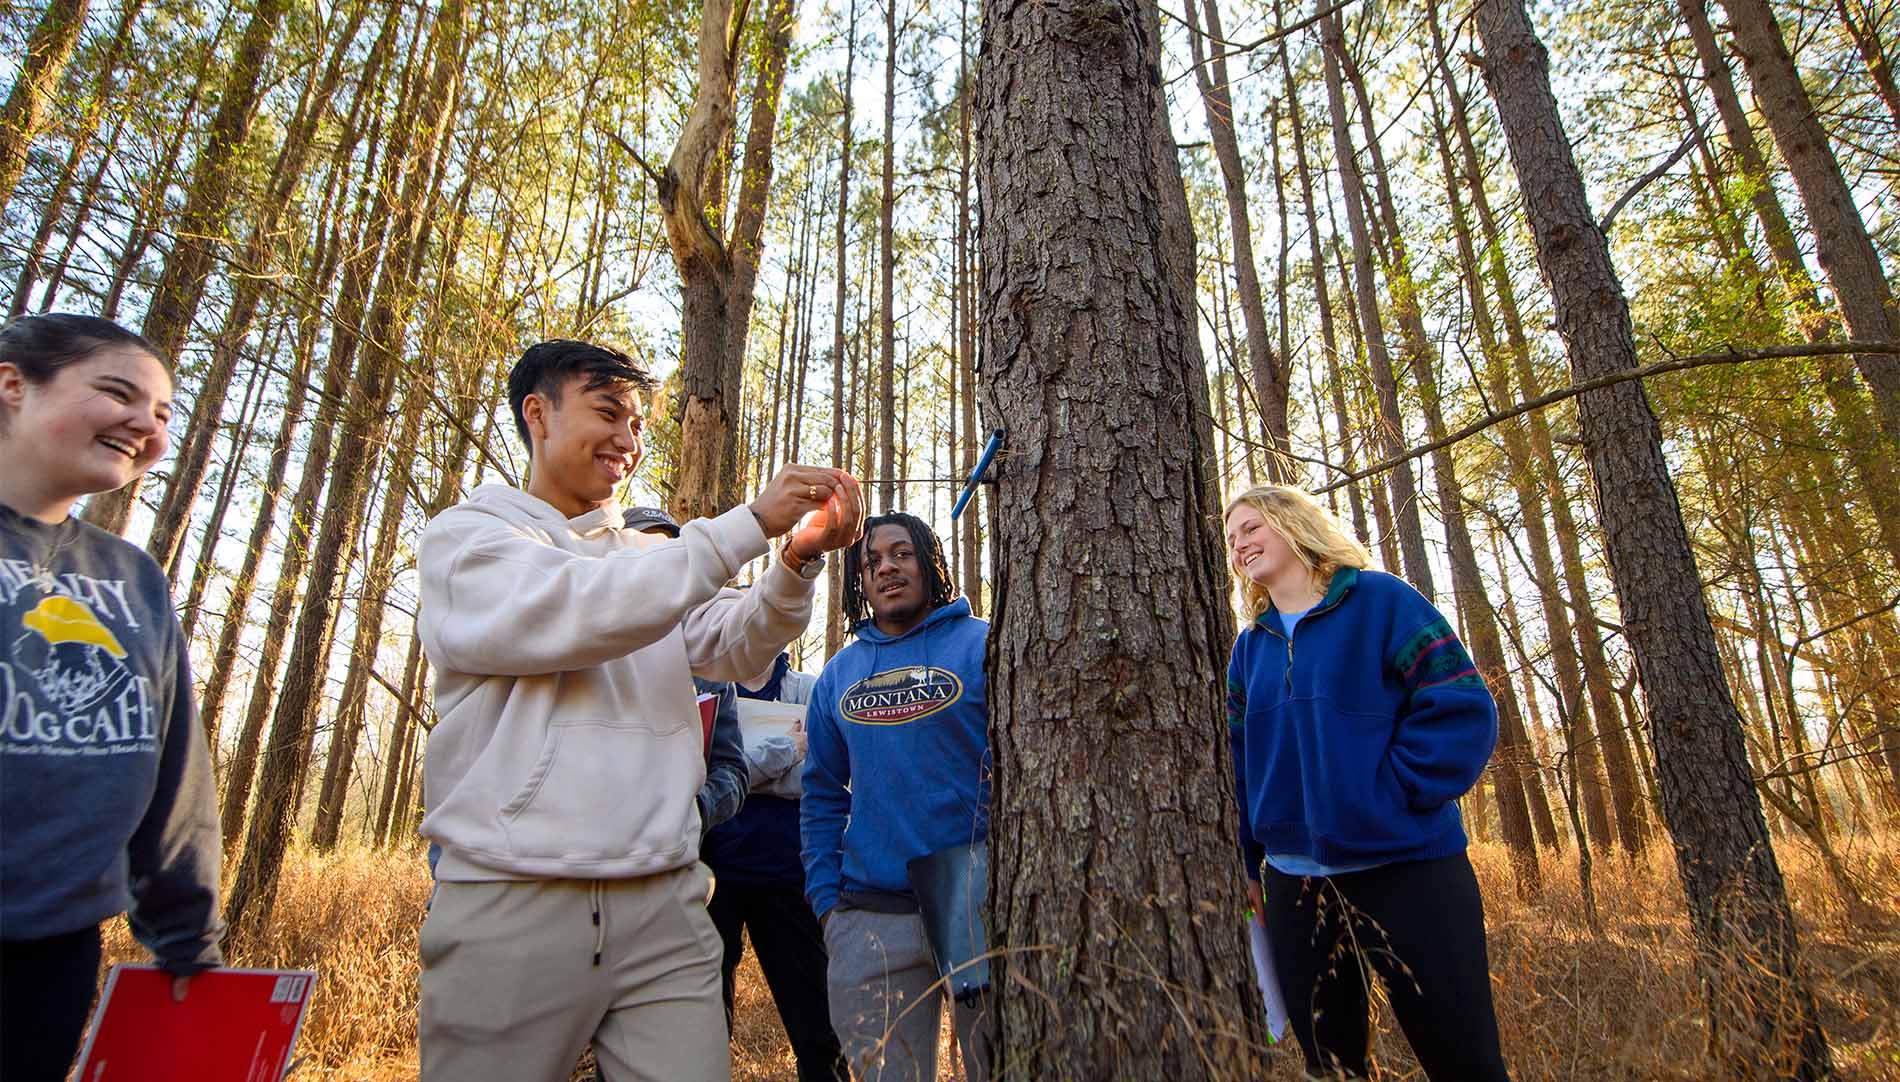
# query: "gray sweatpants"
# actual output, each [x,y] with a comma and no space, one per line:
[511,991]
[887,1000]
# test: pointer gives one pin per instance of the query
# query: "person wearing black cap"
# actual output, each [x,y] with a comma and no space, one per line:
[758,879]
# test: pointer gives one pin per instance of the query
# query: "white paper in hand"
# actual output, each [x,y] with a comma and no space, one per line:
[773,759]
[1269,980]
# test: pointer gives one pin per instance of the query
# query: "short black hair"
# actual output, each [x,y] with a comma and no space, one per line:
[546,366]
[939,589]
[41,345]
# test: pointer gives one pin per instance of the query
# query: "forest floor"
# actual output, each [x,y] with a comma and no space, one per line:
[1622,1004]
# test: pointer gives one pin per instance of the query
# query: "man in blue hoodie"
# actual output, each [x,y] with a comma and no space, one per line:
[897,768]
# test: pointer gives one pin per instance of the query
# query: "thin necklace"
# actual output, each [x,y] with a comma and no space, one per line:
[62,535]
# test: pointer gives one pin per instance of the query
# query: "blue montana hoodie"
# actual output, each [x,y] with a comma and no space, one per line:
[898,763]
[1353,740]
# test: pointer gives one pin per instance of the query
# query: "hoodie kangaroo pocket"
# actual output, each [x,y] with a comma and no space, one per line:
[578,803]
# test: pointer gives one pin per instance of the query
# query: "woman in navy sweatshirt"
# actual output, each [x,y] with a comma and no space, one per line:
[1357,721]
[105,787]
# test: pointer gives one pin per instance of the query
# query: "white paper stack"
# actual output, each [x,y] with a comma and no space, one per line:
[1268,979]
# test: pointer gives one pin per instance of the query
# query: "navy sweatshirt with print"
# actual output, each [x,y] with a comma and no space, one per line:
[106,800]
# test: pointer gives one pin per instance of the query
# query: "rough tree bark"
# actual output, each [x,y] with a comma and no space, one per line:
[1841,240]
[413,162]
[1270,374]
[201,228]
[1113,882]
[1762,1015]
[48,49]
[717,273]
[834,569]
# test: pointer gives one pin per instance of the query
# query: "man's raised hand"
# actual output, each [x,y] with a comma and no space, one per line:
[794,493]
[841,524]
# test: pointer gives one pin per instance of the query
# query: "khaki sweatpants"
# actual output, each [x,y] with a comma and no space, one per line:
[887,999]
[512,991]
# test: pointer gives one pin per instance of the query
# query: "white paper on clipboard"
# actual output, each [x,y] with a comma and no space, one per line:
[766,728]
[1268,980]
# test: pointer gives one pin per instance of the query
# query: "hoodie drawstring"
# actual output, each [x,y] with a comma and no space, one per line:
[600,930]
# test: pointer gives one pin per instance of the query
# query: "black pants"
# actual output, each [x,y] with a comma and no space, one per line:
[1420,926]
[791,951]
[46,988]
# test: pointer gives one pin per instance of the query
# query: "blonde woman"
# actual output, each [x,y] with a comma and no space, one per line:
[1357,720]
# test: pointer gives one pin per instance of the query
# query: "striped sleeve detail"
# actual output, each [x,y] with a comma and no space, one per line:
[1433,656]
[1236,703]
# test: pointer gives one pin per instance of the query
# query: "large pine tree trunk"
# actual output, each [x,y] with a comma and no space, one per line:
[886,277]
[173,518]
[1391,425]
[23,117]
[201,231]
[1762,1015]
[717,274]
[1841,240]
[1114,885]
[415,165]
[1269,372]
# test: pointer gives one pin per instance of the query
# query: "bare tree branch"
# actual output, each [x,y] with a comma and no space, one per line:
[1673,364]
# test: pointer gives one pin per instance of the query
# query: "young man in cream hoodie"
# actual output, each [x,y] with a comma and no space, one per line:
[570,905]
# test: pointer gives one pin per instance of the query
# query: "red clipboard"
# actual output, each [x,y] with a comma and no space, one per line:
[708,710]
[235,1025]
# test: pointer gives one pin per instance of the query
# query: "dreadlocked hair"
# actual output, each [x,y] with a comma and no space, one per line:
[939,589]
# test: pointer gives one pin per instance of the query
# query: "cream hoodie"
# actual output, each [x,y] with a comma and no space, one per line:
[567,742]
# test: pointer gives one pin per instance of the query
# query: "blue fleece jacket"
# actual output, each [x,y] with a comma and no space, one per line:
[898,762]
[1354,738]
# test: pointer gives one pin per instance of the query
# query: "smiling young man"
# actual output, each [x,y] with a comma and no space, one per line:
[897,768]
[560,778]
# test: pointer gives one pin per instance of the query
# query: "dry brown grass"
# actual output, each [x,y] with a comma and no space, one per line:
[1570,1005]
